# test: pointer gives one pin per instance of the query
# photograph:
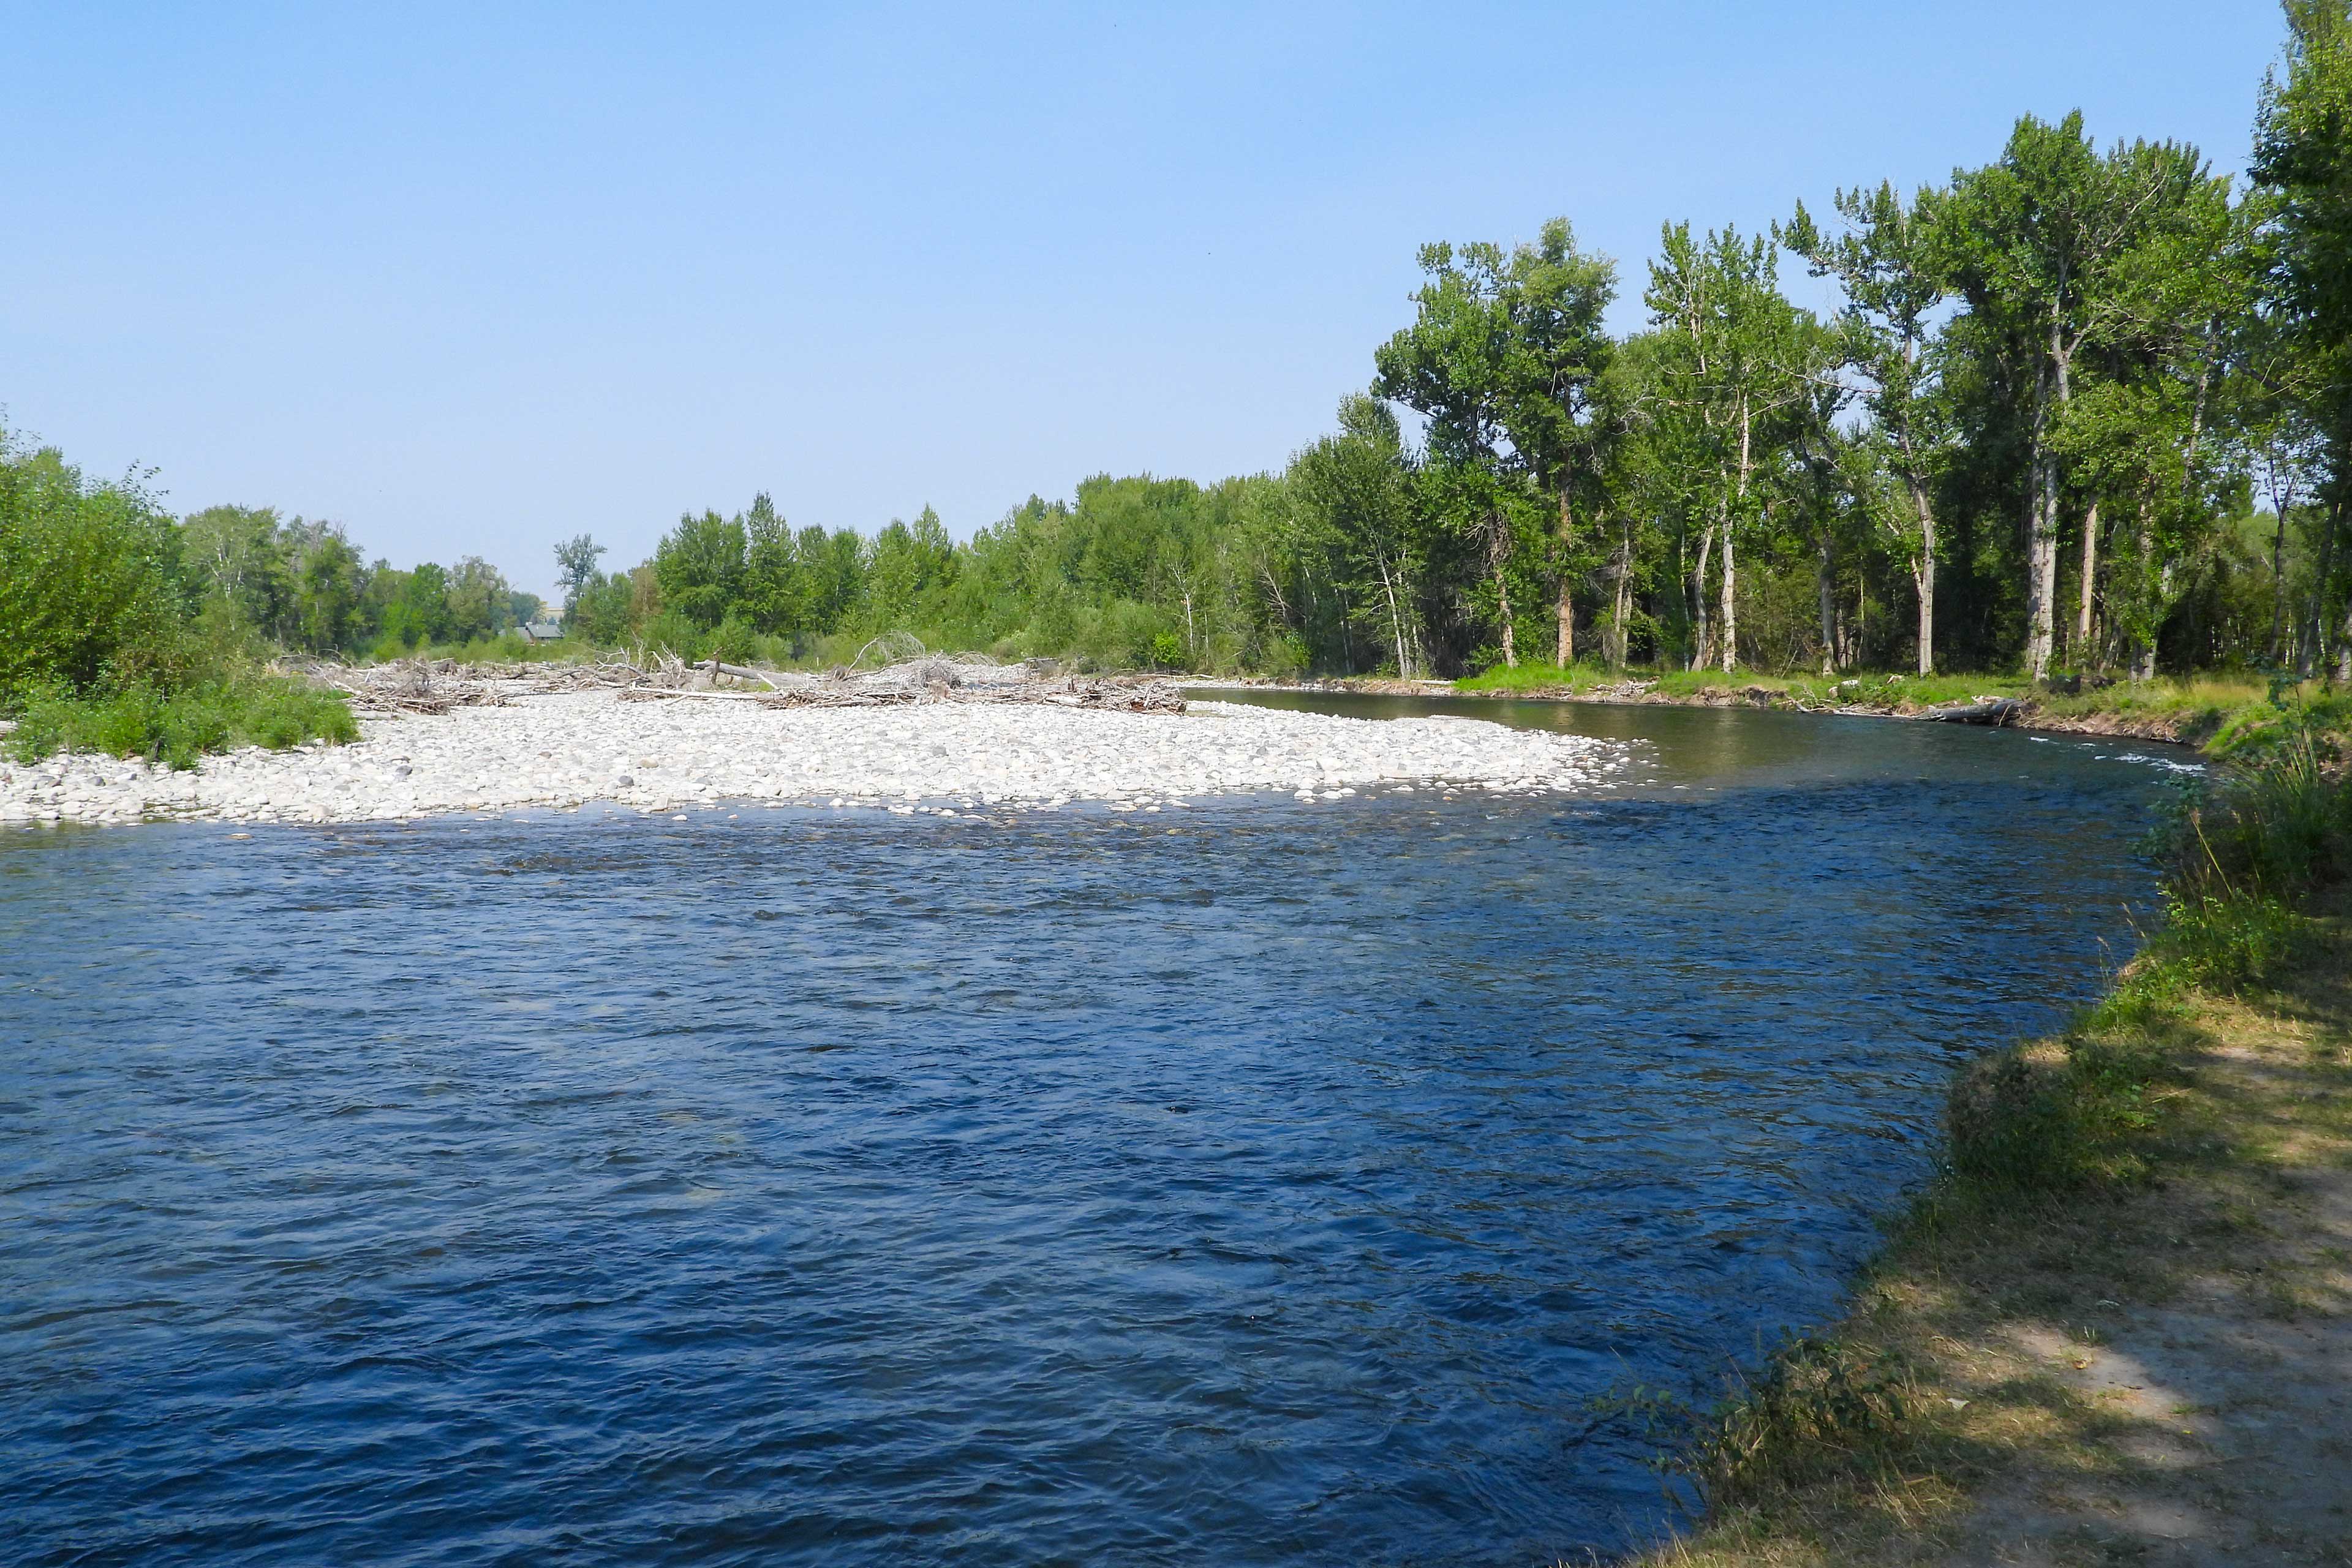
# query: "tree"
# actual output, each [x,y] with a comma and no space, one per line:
[479,601]
[1355,495]
[328,587]
[699,565]
[907,565]
[776,592]
[2040,243]
[1729,358]
[1886,261]
[2303,161]
[1553,297]
[236,563]
[575,570]
[1453,367]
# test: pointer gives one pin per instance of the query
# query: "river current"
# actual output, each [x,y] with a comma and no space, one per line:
[1264,1183]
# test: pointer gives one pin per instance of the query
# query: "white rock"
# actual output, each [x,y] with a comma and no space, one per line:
[563,751]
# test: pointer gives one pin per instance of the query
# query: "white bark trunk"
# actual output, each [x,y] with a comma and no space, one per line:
[1566,607]
[2090,578]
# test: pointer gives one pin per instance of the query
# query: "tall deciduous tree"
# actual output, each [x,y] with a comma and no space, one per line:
[1454,367]
[1730,358]
[1558,350]
[1885,262]
[575,570]
[2303,160]
[2041,244]
[1357,500]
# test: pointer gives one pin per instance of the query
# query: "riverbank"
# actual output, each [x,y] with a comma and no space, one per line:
[564,749]
[2194,711]
[2119,1327]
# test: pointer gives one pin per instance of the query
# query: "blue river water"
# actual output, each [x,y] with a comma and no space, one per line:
[1261,1183]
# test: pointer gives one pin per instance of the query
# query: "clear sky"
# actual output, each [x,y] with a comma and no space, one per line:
[472,279]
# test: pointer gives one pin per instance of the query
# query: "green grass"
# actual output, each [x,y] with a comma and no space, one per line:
[177,727]
[507,648]
[2194,707]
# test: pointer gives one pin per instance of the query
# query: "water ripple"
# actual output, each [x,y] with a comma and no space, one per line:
[818,1187]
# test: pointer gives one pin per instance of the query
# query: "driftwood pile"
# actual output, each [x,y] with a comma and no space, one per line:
[438,685]
[971,678]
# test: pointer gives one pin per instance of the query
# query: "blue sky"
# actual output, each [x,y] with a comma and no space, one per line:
[472,278]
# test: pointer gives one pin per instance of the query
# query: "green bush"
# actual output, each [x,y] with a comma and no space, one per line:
[177,727]
[87,579]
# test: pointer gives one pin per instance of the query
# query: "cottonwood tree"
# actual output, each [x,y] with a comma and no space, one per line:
[700,566]
[1557,352]
[1453,366]
[2303,161]
[2041,244]
[1356,499]
[575,569]
[1886,261]
[1729,359]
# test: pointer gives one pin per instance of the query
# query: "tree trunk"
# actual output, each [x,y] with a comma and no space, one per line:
[1922,574]
[1396,620]
[2314,651]
[1730,524]
[2278,585]
[1825,585]
[1730,644]
[1623,604]
[1503,601]
[2041,526]
[1567,609]
[2143,654]
[1702,645]
[2040,562]
[2090,577]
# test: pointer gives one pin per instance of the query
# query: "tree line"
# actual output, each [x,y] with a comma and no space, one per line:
[2077,409]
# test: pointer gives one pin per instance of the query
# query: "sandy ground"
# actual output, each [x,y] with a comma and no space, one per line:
[566,749]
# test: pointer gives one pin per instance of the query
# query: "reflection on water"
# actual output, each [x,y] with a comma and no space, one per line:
[1265,1184]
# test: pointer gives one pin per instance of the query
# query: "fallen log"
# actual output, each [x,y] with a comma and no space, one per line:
[741,672]
[1995,712]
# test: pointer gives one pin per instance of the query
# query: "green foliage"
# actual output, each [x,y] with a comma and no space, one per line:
[88,578]
[174,726]
[700,567]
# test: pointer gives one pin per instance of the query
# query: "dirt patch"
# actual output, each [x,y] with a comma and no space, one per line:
[2219,1404]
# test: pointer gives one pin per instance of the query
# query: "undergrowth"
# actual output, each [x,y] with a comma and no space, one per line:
[2198,704]
[176,725]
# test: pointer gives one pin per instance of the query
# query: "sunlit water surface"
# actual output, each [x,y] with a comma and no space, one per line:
[1261,1183]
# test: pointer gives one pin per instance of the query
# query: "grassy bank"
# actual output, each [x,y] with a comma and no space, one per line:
[2117,1326]
[2192,708]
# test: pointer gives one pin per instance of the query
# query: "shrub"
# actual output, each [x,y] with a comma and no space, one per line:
[175,727]
[87,579]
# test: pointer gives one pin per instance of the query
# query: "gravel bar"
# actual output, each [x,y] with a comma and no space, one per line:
[568,750]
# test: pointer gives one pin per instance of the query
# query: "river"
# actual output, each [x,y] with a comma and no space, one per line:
[1268,1182]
